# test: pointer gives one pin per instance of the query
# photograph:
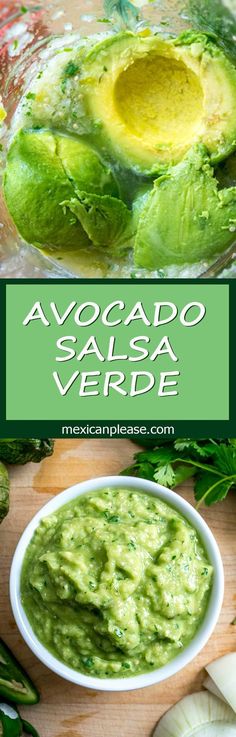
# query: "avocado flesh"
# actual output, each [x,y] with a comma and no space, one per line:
[35,184]
[144,101]
[106,220]
[186,218]
[61,195]
[153,99]
[84,167]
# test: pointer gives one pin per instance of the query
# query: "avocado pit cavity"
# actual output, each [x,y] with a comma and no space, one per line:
[162,99]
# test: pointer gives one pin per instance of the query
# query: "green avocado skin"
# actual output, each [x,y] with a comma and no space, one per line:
[186,217]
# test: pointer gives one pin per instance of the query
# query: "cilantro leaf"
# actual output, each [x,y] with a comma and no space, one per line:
[183,472]
[161,455]
[30,96]
[201,448]
[165,475]
[225,459]
[211,488]
[141,470]
[188,445]
[212,462]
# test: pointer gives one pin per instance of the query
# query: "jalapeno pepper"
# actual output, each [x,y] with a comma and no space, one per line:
[10,722]
[29,729]
[15,684]
[11,725]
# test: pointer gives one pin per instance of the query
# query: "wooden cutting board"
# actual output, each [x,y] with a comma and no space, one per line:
[66,710]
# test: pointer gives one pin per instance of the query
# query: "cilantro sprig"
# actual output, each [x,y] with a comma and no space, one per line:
[212,463]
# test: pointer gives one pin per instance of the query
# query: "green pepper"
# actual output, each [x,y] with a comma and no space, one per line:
[10,722]
[15,684]
[29,729]
[11,725]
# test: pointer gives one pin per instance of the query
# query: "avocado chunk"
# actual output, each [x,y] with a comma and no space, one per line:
[106,220]
[185,218]
[152,99]
[35,184]
[84,168]
[45,171]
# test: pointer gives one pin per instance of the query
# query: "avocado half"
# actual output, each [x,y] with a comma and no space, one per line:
[152,99]
[185,216]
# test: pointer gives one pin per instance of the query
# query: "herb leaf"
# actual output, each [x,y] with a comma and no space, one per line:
[210,488]
[165,475]
[225,459]
[212,463]
[192,445]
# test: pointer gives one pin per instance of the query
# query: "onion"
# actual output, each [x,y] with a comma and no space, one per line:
[199,715]
[223,674]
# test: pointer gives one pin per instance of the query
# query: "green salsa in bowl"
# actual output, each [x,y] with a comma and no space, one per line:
[116,583]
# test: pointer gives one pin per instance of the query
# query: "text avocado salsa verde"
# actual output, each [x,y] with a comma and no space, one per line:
[115,583]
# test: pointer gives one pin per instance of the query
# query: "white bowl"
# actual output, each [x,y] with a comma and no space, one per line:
[202,635]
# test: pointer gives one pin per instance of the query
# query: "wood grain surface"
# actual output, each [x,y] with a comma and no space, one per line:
[66,710]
